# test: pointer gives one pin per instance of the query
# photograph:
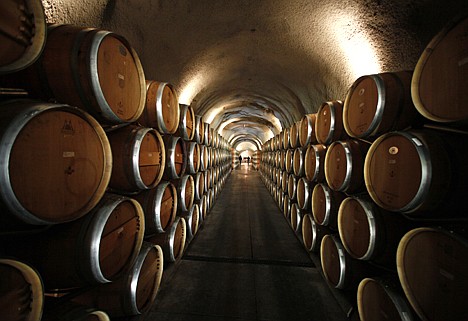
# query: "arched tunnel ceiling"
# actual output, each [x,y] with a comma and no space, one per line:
[251,67]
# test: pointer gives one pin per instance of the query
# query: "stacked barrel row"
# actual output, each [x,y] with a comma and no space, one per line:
[375,190]
[104,178]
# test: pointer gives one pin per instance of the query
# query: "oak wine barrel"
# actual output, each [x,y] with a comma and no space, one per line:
[138,156]
[161,109]
[24,34]
[48,175]
[379,103]
[193,157]
[192,219]
[325,205]
[340,270]
[329,122]
[70,311]
[284,138]
[199,180]
[304,193]
[379,298]
[93,69]
[207,135]
[422,172]
[370,233]
[172,241]
[292,186]
[299,161]
[312,233]
[97,248]
[135,292]
[314,161]
[176,157]
[432,271]
[294,135]
[296,217]
[21,291]
[344,165]
[159,206]
[443,98]
[185,187]
[307,130]
[199,130]
[186,128]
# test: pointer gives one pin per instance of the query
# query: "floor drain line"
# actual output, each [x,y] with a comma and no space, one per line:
[245,261]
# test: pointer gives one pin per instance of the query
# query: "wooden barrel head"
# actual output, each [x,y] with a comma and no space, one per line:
[307,130]
[120,238]
[59,165]
[168,206]
[21,291]
[443,98]
[360,106]
[336,166]
[179,238]
[307,231]
[119,78]
[432,271]
[319,204]
[353,225]
[323,124]
[393,171]
[151,158]
[330,259]
[149,278]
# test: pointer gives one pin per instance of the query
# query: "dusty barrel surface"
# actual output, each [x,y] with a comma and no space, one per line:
[329,122]
[24,34]
[93,69]
[418,172]
[443,98]
[22,291]
[160,207]
[172,241]
[134,292]
[379,297]
[379,103]
[432,271]
[97,248]
[65,178]
[161,108]
[139,157]
[344,165]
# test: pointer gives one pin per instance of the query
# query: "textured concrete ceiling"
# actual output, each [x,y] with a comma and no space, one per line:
[253,67]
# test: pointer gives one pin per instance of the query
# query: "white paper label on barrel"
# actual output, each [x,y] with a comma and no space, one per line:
[68,154]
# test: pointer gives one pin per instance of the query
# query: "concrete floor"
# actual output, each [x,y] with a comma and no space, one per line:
[245,264]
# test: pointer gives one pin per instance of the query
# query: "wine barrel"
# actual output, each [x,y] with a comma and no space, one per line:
[70,311]
[432,271]
[314,160]
[340,270]
[304,193]
[379,103]
[296,217]
[24,34]
[294,135]
[176,157]
[289,160]
[370,233]
[418,172]
[160,207]
[192,219]
[193,157]
[97,248]
[442,98]
[378,298]
[135,292]
[298,162]
[325,205]
[48,175]
[185,187]
[292,186]
[285,144]
[285,182]
[172,241]
[22,291]
[312,233]
[286,206]
[307,130]
[186,128]
[199,181]
[344,165]
[329,122]
[161,109]
[199,130]
[207,134]
[202,205]
[138,156]
[93,69]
